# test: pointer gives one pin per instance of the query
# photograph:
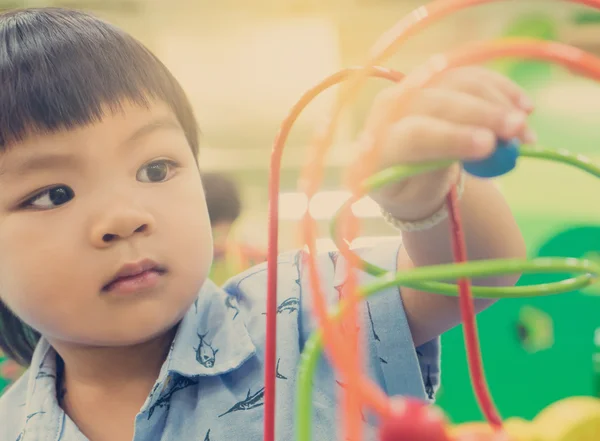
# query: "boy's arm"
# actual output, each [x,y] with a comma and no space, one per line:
[490,233]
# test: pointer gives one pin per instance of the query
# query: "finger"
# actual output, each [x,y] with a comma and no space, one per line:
[493,87]
[514,92]
[478,80]
[502,90]
[461,108]
[423,138]
[481,89]
[492,94]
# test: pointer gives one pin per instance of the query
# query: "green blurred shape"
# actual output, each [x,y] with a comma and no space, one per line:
[535,329]
[524,383]
[528,73]
[3,381]
[593,290]
[586,18]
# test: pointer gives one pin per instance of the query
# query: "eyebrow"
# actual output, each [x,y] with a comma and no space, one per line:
[158,124]
[42,161]
[45,161]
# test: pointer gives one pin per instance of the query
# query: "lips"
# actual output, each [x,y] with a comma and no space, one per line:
[135,274]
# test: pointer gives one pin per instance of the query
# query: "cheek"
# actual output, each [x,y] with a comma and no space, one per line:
[36,269]
[184,228]
[50,276]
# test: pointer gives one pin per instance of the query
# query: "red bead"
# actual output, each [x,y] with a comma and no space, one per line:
[413,420]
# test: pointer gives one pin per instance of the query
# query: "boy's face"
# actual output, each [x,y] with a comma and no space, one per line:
[79,206]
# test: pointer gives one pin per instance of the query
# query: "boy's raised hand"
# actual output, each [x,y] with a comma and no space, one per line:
[459,117]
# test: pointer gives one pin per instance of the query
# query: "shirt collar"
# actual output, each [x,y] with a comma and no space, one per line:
[212,339]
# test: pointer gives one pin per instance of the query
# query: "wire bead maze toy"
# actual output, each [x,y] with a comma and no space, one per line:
[402,418]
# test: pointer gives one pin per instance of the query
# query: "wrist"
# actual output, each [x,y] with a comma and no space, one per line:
[425,217]
[415,212]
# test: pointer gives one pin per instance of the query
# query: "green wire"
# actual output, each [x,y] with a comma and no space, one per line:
[425,278]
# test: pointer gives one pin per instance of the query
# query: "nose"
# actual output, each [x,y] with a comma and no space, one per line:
[121,224]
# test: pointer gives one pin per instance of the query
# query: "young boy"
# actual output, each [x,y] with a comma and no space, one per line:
[105,247]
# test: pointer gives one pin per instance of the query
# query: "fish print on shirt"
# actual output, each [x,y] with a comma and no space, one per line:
[298,259]
[207,436]
[178,383]
[42,373]
[345,324]
[153,391]
[429,390]
[205,353]
[277,373]
[429,384]
[375,336]
[20,436]
[251,401]
[231,303]
[289,305]
[333,255]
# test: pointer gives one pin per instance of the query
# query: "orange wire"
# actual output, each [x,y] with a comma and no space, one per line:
[472,54]
[311,178]
[274,178]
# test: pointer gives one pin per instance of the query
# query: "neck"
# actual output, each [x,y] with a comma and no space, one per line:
[106,368]
[103,389]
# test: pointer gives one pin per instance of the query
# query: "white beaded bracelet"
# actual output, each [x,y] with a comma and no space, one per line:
[424,224]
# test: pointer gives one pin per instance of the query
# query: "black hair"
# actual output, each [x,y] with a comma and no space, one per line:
[61,69]
[222,198]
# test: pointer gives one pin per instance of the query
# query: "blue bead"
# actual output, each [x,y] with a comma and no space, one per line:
[500,162]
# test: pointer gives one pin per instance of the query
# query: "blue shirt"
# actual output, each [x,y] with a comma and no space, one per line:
[211,385]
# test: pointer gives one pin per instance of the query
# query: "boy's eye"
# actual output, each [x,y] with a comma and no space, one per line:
[51,198]
[156,171]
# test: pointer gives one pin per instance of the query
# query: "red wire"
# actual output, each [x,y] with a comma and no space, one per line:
[459,249]
[273,231]
[271,329]
[579,60]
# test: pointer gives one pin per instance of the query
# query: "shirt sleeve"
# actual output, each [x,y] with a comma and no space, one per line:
[394,363]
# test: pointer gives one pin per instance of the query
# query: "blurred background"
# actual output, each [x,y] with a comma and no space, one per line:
[245,63]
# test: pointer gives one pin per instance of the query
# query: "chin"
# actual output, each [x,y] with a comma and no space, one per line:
[131,338]
[141,334]
[130,331]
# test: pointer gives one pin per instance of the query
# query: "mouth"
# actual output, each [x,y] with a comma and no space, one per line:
[136,276]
